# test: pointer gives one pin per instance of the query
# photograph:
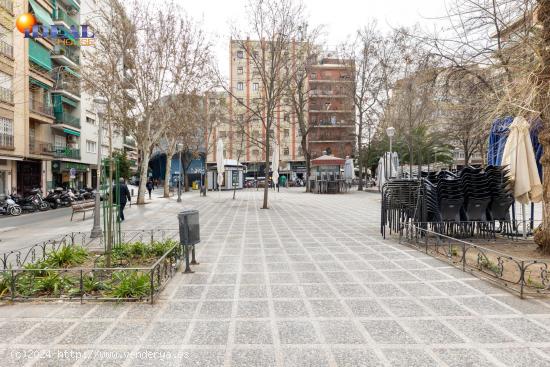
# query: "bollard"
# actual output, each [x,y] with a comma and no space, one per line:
[189,228]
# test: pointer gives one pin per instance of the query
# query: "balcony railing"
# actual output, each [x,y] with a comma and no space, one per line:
[67,52]
[67,119]
[61,15]
[65,81]
[40,107]
[67,153]
[7,4]
[40,147]
[6,95]
[6,141]
[6,49]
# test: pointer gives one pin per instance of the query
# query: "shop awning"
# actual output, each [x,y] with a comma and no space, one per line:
[42,16]
[40,55]
[71,132]
[40,84]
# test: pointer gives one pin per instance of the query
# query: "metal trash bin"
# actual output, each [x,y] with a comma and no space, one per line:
[189,228]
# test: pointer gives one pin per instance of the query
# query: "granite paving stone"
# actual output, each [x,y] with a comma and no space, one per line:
[302,284]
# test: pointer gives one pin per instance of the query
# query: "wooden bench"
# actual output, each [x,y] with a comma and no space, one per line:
[82,207]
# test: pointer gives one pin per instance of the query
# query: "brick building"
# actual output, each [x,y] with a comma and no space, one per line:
[331,108]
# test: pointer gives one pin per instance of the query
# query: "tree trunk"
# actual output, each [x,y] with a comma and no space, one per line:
[542,234]
[167,174]
[185,182]
[307,157]
[143,177]
[360,153]
[267,169]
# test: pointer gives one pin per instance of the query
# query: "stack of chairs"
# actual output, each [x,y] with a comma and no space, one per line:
[501,198]
[399,202]
[477,197]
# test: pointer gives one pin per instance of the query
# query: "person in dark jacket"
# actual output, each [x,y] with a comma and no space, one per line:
[124,197]
[149,185]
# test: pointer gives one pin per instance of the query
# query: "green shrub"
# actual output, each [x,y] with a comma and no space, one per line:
[5,283]
[66,256]
[130,285]
[92,284]
[53,283]
[160,248]
[138,249]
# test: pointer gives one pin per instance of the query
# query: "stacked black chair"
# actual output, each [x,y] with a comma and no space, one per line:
[477,196]
[501,198]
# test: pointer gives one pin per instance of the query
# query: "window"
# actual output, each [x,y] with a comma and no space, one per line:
[240,70]
[241,101]
[91,146]
[223,134]
[240,86]
[313,76]
[286,133]
[286,151]
[241,118]
[90,120]
[300,150]
[6,132]
[240,54]
[255,87]
[255,152]
[286,117]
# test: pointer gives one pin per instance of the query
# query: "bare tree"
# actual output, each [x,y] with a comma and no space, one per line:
[304,55]
[273,27]
[137,63]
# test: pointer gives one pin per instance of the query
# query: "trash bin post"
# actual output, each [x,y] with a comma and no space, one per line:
[189,229]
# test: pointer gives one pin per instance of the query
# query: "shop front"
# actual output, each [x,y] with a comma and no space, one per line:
[69,174]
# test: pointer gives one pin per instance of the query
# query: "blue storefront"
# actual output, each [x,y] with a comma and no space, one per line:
[192,167]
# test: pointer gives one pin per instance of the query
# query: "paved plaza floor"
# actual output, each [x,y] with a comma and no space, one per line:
[308,282]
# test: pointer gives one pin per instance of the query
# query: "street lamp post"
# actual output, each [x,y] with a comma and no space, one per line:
[179,147]
[390,131]
[96,229]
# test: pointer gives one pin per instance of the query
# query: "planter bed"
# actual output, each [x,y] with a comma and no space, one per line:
[138,271]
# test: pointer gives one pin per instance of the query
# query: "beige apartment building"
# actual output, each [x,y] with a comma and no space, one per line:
[48,124]
[245,85]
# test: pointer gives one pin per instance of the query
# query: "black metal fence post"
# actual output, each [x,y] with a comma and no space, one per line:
[152,285]
[81,288]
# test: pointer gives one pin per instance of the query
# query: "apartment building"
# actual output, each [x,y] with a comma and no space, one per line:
[48,123]
[331,108]
[11,137]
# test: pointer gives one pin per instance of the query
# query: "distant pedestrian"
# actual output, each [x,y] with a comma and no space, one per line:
[149,185]
[124,197]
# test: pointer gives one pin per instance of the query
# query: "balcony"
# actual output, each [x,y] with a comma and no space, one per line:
[320,93]
[38,147]
[6,95]
[38,106]
[67,153]
[62,16]
[6,49]
[66,56]
[66,118]
[67,84]
[6,142]
[8,5]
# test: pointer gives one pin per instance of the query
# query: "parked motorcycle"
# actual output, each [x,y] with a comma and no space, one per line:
[9,207]
[31,202]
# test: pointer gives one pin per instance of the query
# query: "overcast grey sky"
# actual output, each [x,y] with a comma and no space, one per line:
[340,18]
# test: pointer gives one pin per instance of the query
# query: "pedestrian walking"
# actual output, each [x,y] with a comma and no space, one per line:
[124,197]
[149,185]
